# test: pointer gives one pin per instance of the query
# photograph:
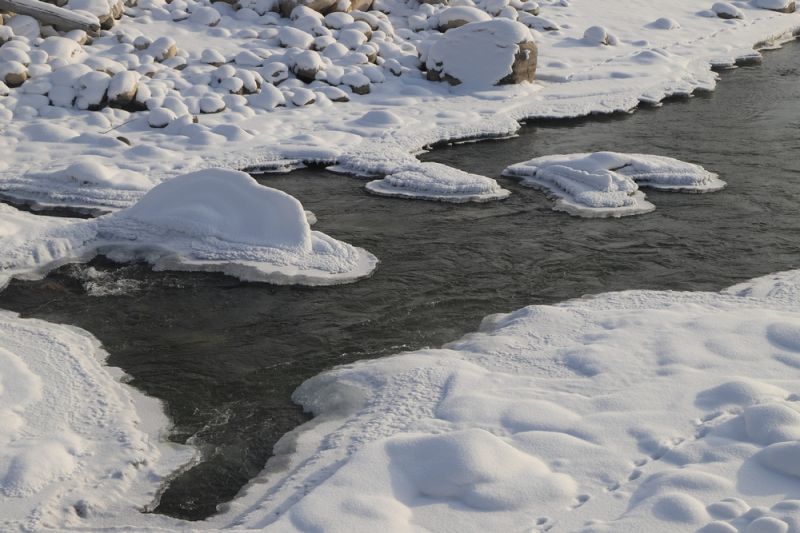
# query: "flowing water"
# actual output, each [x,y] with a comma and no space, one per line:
[225,356]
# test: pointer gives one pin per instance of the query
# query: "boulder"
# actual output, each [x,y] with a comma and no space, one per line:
[122,89]
[320,6]
[360,5]
[480,54]
[455,17]
[13,73]
[781,6]
[725,10]
[162,49]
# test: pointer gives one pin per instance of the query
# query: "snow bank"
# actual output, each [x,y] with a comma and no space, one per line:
[224,221]
[606,184]
[72,447]
[433,181]
[632,411]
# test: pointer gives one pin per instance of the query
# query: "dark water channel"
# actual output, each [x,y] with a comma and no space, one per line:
[225,356]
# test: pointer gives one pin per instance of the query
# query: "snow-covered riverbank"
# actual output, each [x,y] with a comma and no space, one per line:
[626,411]
[374,134]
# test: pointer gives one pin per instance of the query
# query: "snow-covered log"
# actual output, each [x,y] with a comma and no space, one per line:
[48,14]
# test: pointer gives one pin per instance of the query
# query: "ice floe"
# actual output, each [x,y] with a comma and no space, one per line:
[433,181]
[606,184]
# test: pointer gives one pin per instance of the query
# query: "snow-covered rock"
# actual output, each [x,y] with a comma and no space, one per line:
[224,221]
[433,181]
[456,16]
[481,54]
[607,183]
[724,10]
[13,73]
[782,6]
[598,35]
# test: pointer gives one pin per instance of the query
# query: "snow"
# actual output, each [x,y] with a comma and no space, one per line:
[72,444]
[727,11]
[775,4]
[574,78]
[630,411]
[604,184]
[433,181]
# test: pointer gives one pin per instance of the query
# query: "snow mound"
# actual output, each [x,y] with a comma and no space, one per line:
[70,435]
[90,172]
[87,182]
[604,184]
[223,220]
[434,181]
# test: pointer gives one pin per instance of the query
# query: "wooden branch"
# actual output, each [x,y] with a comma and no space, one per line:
[48,14]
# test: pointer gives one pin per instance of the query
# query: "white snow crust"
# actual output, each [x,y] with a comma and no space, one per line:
[73,447]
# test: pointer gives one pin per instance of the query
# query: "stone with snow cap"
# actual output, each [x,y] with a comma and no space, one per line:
[479,54]
[781,6]
[224,221]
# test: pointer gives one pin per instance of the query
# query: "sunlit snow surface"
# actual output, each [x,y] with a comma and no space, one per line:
[631,411]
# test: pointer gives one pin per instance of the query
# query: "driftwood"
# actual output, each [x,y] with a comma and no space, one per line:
[48,14]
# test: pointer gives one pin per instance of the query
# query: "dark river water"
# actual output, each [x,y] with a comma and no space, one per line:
[225,356]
